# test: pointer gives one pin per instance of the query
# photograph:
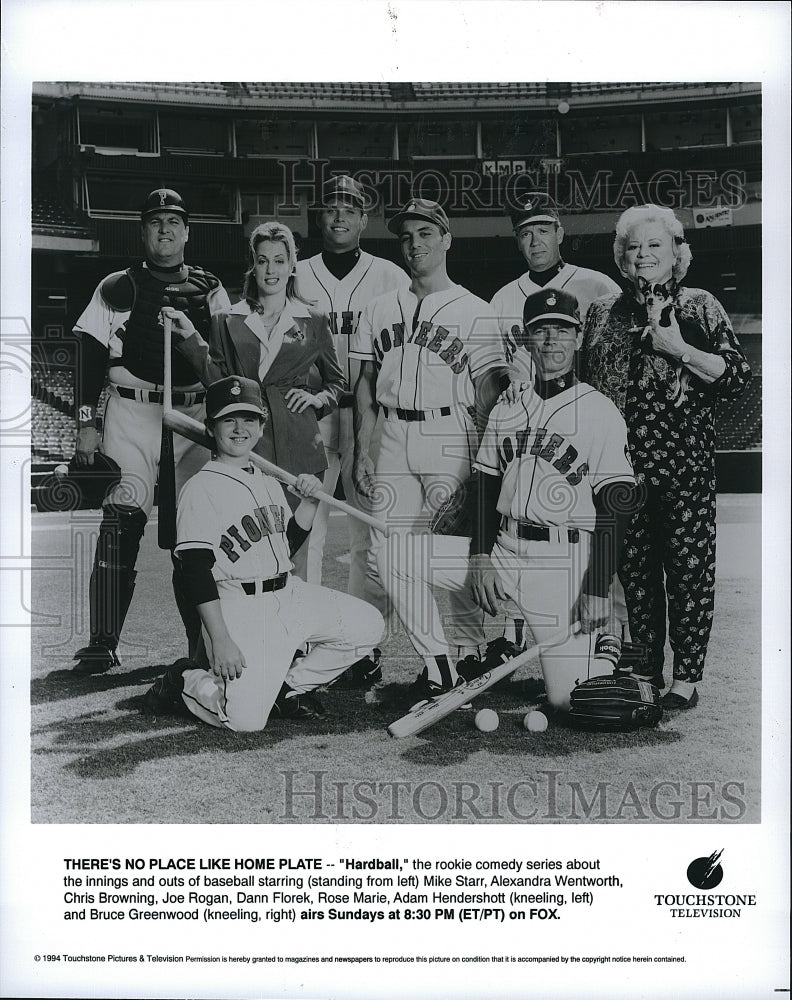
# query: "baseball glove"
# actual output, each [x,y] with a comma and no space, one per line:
[455,517]
[617,704]
[82,487]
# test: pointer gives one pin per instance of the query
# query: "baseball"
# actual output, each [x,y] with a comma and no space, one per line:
[486,720]
[61,470]
[535,722]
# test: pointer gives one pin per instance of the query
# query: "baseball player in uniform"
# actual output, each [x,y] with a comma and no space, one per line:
[539,234]
[122,347]
[339,282]
[432,359]
[235,538]
[556,487]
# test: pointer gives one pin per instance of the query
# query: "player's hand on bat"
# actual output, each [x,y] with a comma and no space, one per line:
[485,584]
[592,612]
[307,487]
[364,476]
[228,661]
[298,400]
[182,325]
[87,443]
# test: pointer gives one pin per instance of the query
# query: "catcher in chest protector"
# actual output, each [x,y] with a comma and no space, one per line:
[546,513]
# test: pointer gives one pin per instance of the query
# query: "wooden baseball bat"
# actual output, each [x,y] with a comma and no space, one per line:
[194,430]
[166,486]
[438,708]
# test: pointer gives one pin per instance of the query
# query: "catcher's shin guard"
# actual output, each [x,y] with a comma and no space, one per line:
[187,610]
[113,577]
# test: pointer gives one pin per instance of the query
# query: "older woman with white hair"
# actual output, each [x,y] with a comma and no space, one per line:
[665,354]
[274,337]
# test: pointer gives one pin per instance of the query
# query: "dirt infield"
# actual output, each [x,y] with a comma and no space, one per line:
[95,759]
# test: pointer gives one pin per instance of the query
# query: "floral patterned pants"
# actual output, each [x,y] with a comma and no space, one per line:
[668,568]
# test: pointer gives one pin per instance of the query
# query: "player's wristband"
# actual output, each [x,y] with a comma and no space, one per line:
[86,416]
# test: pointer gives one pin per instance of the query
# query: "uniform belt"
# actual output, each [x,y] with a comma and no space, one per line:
[155,396]
[346,401]
[253,587]
[443,411]
[530,532]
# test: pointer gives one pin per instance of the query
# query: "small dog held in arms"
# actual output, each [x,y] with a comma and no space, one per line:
[659,310]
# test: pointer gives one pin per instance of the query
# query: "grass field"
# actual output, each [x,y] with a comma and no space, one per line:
[96,759]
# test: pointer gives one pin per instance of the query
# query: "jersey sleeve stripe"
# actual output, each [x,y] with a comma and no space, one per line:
[443,306]
[620,477]
[496,361]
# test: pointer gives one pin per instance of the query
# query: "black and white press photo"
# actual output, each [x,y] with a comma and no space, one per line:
[540,304]
[395,498]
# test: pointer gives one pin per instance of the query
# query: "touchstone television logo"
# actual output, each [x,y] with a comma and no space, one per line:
[705,873]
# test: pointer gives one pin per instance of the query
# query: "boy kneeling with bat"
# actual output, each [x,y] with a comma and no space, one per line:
[235,538]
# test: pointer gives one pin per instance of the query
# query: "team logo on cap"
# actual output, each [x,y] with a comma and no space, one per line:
[235,389]
[551,300]
[162,197]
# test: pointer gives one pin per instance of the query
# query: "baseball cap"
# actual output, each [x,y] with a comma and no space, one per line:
[537,206]
[344,188]
[420,208]
[551,303]
[232,395]
[164,200]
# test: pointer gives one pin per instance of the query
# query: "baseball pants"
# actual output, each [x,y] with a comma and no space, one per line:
[132,436]
[309,558]
[268,628]
[420,464]
[542,578]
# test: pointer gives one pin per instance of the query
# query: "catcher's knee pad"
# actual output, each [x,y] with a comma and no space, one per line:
[570,663]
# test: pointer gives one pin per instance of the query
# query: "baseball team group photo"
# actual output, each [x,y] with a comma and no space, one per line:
[396,452]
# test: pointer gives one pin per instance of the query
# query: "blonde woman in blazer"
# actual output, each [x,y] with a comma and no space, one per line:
[274,337]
